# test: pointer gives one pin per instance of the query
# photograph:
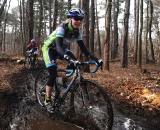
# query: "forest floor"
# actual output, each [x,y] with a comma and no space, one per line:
[138,90]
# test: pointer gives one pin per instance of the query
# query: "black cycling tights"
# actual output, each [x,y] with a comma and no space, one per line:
[52,75]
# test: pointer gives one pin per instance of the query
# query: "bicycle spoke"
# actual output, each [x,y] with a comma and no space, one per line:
[40,84]
[94,105]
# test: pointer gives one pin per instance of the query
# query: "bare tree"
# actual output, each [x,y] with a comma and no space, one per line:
[55,14]
[40,19]
[30,19]
[98,33]
[146,36]
[92,26]
[125,37]
[140,35]
[150,31]
[50,14]
[107,37]
[2,9]
[1,14]
[136,32]
[69,4]
[4,27]
[114,50]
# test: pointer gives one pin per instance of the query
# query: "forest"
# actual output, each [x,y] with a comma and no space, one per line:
[125,34]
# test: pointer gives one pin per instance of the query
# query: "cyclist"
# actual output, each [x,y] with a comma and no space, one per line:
[32,49]
[56,46]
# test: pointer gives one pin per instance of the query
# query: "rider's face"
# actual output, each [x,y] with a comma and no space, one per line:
[76,22]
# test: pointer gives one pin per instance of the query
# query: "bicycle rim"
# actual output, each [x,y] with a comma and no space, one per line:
[40,84]
[92,103]
[27,63]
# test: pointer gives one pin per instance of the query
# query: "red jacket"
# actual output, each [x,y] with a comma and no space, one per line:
[31,46]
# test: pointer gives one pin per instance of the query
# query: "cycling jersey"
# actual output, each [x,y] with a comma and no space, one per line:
[58,42]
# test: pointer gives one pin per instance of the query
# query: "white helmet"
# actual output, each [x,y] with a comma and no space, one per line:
[33,40]
[75,12]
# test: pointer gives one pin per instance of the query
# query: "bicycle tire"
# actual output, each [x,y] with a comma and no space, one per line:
[92,103]
[34,62]
[39,87]
[27,63]
[40,83]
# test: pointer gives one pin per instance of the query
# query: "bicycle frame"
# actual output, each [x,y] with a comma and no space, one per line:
[81,97]
[77,76]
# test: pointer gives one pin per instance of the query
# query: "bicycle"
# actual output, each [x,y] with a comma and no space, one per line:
[83,98]
[31,60]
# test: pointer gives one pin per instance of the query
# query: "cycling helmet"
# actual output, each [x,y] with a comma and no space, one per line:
[75,12]
[33,41]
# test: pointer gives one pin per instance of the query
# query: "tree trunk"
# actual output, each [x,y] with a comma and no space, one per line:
[30,20]
[50,19]
[85,7]
[136,34]
[114,50]
[1,14]
[25,26]
[150,32]
[2,9]
[107,37]
[92,26]
[140,36]
[4,27]
[40,20]
[98,34]
[69,4]
[125,38]
[146,37]
[55,15]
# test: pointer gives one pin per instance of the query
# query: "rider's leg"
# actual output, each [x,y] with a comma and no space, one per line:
[49,87]
[50,56]
[50,83]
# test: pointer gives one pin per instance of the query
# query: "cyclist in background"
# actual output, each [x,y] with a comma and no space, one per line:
[56,46]
[32,49]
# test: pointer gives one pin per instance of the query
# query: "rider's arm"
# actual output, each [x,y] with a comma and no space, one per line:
[86,51]
[59,43]
[83,47]
[28,47]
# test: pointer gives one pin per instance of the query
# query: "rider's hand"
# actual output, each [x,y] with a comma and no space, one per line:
[74,62]
[71,61]
[66,57]
[100,63]
[95,59]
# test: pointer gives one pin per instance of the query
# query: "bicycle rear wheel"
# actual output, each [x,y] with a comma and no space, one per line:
[92,103]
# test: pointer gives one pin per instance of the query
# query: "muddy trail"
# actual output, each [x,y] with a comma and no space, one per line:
[20,111]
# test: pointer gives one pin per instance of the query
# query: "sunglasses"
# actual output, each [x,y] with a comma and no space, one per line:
[78,18]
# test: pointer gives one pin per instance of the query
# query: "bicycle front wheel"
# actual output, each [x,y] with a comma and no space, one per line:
[27,62]
[40,84]
[92,103]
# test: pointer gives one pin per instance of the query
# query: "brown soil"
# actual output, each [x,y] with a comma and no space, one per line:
[138,89]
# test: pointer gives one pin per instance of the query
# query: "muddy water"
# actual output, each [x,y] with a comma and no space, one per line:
[125,121]
[51,125]
[28,116]
[43,122]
